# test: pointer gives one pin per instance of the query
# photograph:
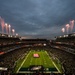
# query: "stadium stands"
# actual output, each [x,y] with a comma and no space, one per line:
[64,49]
[66,59]
[8,60]
[16,49]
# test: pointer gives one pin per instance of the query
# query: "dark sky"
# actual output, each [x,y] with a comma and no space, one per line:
[37,18]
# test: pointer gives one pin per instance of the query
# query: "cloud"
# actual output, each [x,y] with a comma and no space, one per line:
[40,18]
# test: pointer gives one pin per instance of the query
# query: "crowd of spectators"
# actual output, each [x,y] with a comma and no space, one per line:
[8,60]
[7,41]
[10,47]
[9,44]
[66,59]
[68,41]
[65,52]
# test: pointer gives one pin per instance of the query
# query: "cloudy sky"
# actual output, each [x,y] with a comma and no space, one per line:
[37,18]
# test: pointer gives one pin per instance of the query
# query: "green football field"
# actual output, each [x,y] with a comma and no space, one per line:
[44,59]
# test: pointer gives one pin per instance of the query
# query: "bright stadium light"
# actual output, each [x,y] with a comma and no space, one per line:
[6,26]
[2,23]
[67,28]
[9,28]
[72,25]
[63,30]
[44,44]
[13,31]
[16,34]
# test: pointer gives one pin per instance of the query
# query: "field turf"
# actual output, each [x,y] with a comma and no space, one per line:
[45,60]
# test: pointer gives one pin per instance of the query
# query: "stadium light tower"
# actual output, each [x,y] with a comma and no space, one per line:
[63,30]
[13,31]
[67,28]
[9,28]
[16,34]
[6,26]
[72,25]
[2,24]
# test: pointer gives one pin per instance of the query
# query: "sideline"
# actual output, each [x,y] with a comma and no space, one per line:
[23,62]
[53,63]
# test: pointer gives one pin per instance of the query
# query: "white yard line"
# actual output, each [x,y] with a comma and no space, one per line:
[23,62]
[53,63]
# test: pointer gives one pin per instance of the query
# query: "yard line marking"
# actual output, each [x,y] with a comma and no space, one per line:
[53,63]
[23,62]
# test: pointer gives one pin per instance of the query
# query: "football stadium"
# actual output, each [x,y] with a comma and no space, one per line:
[36,56]
[37,37]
